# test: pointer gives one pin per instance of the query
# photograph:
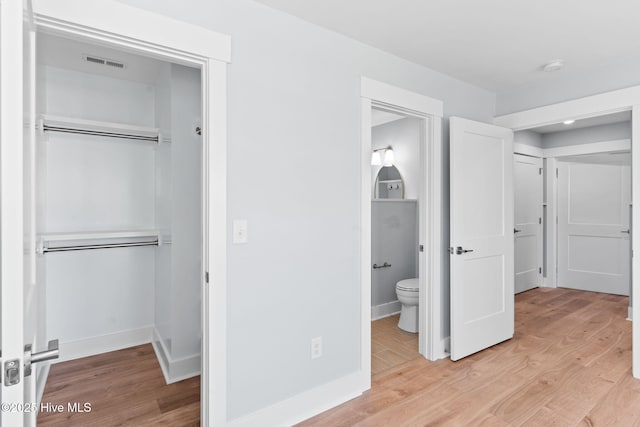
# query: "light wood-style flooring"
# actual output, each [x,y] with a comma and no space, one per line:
[390,345]
[124,387]
[568,364]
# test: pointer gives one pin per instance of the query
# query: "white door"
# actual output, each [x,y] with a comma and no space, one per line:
[593,227]
[482,271]
[528,222]
[19,292]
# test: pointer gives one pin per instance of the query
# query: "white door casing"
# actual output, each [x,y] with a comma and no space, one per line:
[482,280]
[528,222]
[593,227]
[18,311]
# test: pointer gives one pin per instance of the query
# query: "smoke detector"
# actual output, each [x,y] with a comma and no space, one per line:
[103,61]
[552,66]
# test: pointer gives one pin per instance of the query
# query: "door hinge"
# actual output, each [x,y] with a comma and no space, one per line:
[539,270]
[539,171]
[451,250]
[206,277]
[421,248]
[539,220]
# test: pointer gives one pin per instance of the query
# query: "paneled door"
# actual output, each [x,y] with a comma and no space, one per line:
[593,227]
[481,253]
[528,222]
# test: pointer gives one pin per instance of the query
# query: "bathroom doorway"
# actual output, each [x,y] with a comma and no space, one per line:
[427,191]
[395,201]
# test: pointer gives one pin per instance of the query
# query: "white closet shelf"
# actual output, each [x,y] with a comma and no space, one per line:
[95,235]
[98,128]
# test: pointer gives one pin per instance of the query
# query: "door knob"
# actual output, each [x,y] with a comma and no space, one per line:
[515,230]
[626,231]
[460,251]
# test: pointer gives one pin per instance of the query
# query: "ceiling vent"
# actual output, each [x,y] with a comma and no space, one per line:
[103,61]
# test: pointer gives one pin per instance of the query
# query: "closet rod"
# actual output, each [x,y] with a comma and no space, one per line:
[104,246]
[99,133]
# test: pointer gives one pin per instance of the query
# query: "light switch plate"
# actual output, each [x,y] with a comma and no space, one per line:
[240,231]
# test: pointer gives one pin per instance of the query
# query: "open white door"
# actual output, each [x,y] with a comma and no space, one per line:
[19,291]
[482,247]
[593,226]
[528,222]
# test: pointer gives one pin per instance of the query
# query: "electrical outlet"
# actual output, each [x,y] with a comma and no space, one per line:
[240,231]
[316,347]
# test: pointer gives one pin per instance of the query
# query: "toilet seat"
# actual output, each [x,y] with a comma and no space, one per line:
[408,285]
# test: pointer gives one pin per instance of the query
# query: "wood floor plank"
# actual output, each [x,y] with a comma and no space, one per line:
[568,363]
[124,387]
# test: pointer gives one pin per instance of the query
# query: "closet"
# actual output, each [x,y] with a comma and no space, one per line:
[119,203]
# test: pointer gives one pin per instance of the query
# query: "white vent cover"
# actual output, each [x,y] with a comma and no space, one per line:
[103,61]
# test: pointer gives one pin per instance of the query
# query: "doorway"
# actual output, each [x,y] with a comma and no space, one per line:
[428,112]
[118,220]
[587,208]
[395,171]
[162,39]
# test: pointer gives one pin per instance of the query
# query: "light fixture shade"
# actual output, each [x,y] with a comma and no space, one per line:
[376,160]
[388,157]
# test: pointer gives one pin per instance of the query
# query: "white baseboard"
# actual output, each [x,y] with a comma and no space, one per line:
[104,343]
[174,370]
[306,405]
[385,310]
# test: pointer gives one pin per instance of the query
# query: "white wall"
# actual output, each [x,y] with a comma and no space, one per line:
[404,137]
[186,230]
[394,239]
[294,94]
[90,184]
[178,204]
[602,133]
[163,313]
[528,137]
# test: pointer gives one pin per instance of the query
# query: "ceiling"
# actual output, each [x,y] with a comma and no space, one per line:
[624,116]
[494,44]
[66,53]
[380,117]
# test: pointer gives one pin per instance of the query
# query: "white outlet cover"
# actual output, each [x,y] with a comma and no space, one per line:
[240,231]
[316,347]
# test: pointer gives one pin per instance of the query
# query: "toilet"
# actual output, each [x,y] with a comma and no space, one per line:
[408,291]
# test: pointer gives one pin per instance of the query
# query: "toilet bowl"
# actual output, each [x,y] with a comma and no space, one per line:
[408,292]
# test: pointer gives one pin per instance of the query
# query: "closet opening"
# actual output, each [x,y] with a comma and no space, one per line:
[119,232]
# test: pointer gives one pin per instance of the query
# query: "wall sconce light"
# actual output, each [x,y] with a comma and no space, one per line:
[388,157]
[376,158]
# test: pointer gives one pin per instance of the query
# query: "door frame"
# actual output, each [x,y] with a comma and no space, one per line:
[597,105]
[107,22]
[376,93]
